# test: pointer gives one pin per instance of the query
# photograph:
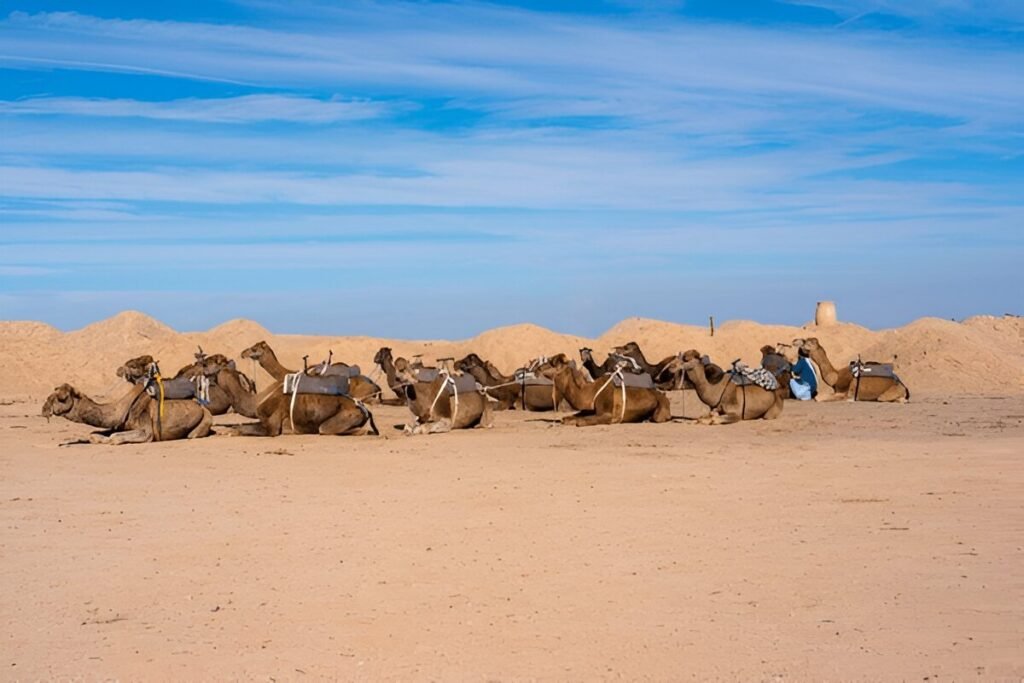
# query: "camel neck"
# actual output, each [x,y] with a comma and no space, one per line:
[269,362]
[829,374]
[244,402]
[577,392]
[104,415]
[709,393]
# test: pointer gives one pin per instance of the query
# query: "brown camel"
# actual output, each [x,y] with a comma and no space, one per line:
[846,385]
[632,351]
[133,418]
[216,367]
[510,391]
[673,377]
[777,364]
[730,402]
[590,365]
[361,387]
[441,407]
[602,402]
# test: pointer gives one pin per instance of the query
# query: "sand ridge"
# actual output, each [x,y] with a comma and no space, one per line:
[981,355]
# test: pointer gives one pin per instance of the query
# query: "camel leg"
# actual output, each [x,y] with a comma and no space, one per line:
[775,410]
[203,428]
[588,420]
[269,425]
[343,422]
[487,417]
[897,393]
[663,412]
[121,438]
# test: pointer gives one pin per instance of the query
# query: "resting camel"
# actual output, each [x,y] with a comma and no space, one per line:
[632,351]
[590,365]
[601,402]
[730,402]
[216,367]
[507,390]
[437,412]
[361,387]
[133,418]
[777,364]
[673,377]
[868,388]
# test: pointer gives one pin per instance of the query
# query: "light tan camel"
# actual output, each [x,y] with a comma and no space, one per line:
[730,402]
[133,418]
[601,402]
[360,387]
[437,411]
[846,386]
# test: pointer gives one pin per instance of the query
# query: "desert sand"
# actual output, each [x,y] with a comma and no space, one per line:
[840,542]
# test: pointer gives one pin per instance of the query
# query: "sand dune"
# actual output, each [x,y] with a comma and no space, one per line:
[982,355]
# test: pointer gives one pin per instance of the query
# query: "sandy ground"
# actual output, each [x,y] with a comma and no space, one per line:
[845,542]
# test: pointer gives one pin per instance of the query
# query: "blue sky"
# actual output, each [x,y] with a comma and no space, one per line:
[432,169]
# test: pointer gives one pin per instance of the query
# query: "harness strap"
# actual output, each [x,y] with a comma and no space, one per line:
[160,406]
[455,392]
[291,385]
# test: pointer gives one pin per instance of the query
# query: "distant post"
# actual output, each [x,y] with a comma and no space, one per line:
[711,324]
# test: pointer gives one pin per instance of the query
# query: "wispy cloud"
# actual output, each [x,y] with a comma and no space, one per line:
[242,109]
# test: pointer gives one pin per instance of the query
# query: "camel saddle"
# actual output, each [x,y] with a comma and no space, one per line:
[884,370]
[324,370]
[743,376]
[532,379]
[180,389]
[633,381]
[464,384]
[325,385]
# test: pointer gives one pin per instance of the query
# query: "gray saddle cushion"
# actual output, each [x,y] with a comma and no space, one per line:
[178,389]
[426,374]
[642,381]
[530,379]
[329,385]
[775,363]
[873,370]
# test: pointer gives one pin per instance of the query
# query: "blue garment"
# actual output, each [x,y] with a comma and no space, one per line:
[803,373]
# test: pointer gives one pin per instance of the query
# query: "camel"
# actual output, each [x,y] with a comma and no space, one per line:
[845,385]
[361,387]
[777,364]
[632,351]
[673,377]
[590,365]
[508,391]
[133,418]
[730,402]
[601,402]
[437,412]
[399,371]
[216,367]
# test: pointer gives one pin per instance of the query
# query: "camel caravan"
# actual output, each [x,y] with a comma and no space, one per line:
[334,398]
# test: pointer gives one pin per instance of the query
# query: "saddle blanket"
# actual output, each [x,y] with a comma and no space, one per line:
[775,363]
[426,375]
[327,385]
[642,381]
[464,384]
[744,376]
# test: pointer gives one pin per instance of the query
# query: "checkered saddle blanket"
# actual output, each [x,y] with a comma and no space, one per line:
[744,376]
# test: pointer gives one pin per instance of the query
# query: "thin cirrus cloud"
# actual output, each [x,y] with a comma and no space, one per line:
[337,138]
[242,109]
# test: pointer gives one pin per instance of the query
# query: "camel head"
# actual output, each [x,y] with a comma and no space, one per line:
[383,356]
[469,362]
[61,401]
[808,346]
[627,348]
[586,354]
[213,364]
[256,351]
[136,369]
